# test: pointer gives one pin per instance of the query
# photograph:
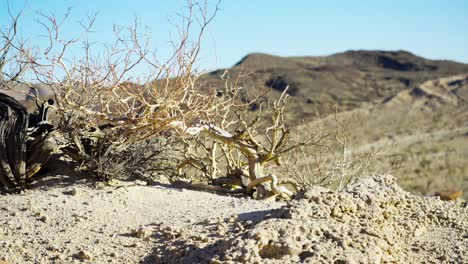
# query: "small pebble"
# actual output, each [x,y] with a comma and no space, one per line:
[83,255]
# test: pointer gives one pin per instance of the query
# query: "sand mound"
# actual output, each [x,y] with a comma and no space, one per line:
[372,221]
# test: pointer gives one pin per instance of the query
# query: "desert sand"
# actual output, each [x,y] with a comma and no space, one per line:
[68,219]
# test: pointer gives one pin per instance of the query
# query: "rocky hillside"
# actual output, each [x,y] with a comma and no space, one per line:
[344,81]
[434,94]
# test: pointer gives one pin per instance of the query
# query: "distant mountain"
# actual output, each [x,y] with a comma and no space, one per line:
[343,81]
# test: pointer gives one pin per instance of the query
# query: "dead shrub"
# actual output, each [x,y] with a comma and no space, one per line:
[331,163]
[113,101]
[117,120]
[233,150]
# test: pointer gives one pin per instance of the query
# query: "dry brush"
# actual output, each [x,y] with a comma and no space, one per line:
[125,110]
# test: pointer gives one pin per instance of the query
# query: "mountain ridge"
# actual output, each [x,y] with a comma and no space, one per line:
[352,52]
[322,85]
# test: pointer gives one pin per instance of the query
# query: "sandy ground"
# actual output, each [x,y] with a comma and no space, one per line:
[66,219]
[371,221]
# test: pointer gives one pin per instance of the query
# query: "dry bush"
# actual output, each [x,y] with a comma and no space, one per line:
[144,159]
[331,163]
[12,63]
[238,148]
[242,152]
[125,93]
[124,110]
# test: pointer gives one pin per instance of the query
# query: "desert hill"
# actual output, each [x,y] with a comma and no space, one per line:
[420,104]
[343,81]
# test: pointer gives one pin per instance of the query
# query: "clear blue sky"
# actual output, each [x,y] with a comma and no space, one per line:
[433,29]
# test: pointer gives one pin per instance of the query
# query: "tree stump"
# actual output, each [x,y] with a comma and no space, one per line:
[23,146]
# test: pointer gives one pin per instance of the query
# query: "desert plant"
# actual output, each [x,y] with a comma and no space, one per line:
[124,94]
[332,163]
[235,147]
[12,65]
[117,120]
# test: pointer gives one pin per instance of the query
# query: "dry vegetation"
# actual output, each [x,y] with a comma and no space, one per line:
[126,111]
[114,119]
[245,155]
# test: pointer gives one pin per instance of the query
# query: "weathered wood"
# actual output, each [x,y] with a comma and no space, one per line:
[13,126]
[23,150]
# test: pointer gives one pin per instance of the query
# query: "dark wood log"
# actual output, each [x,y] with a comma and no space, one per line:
[23,149]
